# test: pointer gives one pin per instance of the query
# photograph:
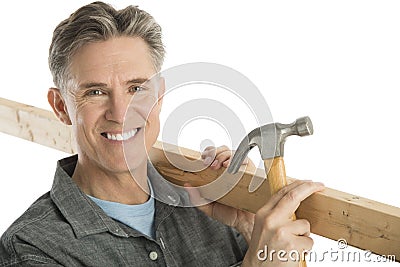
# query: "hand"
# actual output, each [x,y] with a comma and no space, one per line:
[221,157]
[242,221]
[274,228]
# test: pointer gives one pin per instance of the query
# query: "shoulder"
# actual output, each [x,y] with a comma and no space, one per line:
[17,242]
[41,210]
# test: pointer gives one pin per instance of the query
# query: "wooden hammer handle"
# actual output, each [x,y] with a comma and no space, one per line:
[276,174]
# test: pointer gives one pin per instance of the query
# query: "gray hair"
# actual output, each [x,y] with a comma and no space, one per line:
[97,22]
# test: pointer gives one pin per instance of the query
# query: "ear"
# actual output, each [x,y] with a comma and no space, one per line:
[57,103]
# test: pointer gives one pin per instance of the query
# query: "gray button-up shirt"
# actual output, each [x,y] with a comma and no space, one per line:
[65,228]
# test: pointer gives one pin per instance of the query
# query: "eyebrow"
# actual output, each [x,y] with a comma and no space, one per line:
[138,80]
[89,85]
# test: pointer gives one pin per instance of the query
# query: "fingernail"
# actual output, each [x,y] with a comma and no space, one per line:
[207,160]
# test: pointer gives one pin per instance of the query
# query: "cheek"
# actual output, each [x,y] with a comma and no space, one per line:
[152,126]
[144,105]
[87,116]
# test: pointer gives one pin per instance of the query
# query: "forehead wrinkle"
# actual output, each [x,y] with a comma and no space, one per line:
[111,76]
[112,62]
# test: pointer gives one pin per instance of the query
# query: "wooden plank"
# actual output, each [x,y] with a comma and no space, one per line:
[364,223]
[332,213]
[36,125]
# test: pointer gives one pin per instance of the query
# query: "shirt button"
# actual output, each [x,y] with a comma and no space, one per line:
[153,255]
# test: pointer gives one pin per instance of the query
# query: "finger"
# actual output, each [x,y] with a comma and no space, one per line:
[209,148]
[208,151]
[294,240]
[221,158]
[246,161]
[226,163]
[214,164]
[213,151]
[289,203]
[273,201]
[304,244]
[208,160]
[298,234]
[223,155]
[208,155]
[300,227]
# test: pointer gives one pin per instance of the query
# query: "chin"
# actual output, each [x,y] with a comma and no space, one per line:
[134,163]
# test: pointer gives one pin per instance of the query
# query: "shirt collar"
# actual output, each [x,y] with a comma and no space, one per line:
[87,218]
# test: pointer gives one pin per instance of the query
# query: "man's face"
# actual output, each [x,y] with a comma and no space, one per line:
[109,75]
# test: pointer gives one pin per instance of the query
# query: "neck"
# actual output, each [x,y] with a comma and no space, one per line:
[122,187]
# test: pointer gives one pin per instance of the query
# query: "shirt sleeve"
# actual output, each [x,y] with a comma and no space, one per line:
[18,253]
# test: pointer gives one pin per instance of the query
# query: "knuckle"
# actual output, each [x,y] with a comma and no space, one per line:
[283,191]
[307,225]
[281,234]
[207,149]
[265,221]
[268,223]
[226,152]
[224,147]
[291,195]
[311,184]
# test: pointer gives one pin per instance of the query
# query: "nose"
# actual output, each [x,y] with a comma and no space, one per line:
[117,106]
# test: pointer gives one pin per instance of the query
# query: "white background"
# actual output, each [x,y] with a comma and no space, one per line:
[335,61]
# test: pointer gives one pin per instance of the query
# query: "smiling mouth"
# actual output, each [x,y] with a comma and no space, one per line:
[121,136]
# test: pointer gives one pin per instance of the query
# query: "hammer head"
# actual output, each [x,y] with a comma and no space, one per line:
[270,139]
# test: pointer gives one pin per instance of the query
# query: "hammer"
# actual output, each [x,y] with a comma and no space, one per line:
[270,140]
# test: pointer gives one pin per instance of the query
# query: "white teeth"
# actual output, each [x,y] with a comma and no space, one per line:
[122,137]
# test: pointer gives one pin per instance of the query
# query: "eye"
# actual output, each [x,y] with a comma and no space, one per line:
[136,88]
[95,92]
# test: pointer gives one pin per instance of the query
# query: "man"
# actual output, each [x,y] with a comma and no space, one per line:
[103,212]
